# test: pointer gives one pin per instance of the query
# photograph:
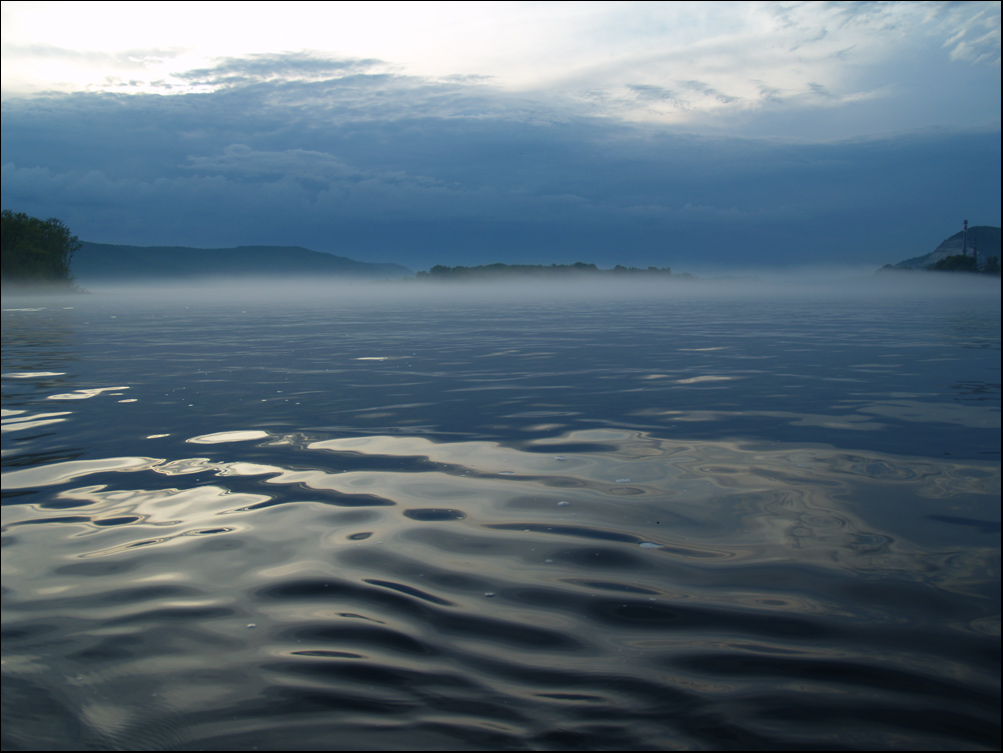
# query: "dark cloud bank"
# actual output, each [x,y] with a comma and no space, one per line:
[337,156]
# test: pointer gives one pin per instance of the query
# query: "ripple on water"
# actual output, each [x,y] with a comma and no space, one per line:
[486,595]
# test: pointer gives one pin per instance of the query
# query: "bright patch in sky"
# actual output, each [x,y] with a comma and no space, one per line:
[673,62]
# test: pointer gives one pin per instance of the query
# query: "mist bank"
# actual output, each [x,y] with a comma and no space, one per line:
[253,292]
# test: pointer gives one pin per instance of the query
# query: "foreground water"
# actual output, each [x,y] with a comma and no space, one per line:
[645,520]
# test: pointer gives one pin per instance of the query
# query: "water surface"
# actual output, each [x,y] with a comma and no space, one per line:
[472,521]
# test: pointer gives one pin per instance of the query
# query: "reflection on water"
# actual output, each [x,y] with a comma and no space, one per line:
[341,552]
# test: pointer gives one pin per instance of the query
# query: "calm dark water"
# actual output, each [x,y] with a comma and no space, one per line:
[376,519]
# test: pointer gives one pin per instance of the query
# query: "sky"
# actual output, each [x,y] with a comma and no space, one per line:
[707,137]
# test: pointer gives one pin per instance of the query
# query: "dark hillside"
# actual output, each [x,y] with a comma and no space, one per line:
[986,237]
[96,262]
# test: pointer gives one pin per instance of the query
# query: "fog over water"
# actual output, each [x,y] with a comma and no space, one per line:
[745,283]
[752,514]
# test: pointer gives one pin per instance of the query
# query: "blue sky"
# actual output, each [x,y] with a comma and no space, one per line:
[701,136]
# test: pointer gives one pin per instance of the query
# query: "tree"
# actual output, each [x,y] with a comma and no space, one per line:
[34,250]
[956,263]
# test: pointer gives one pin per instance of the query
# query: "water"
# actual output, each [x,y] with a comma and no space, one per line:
[637,520]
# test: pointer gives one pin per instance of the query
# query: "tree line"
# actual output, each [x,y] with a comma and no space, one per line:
[34,250]
[442,272]
[966,263]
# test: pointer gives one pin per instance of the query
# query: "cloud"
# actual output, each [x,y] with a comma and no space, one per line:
[713,65]
[973,37]
[241,161]
[348,155]
[775,58]
[297,66]
[685,96]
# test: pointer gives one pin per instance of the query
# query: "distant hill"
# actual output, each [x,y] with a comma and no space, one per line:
[105,262]
[986,236]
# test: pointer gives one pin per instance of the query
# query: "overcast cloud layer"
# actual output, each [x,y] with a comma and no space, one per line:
[678,134]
